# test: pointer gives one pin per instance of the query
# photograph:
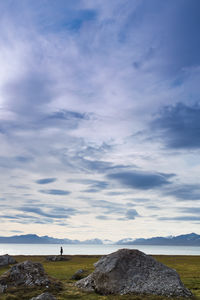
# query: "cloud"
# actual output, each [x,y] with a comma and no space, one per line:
[55,192]
[139,200]
[140,179]
[21,187]
[94,186]
[181,218]
[95,151]
[116,193]
[131,214]
[97,184]
[102,217]
[55,213]
[45,215]
[62,118]
[112,210]
[14,162]
[46,180]
[67,115]
[179,126]
[40,212]
[93,182]
[9,217]
[32,90]
[99,166]
[107,206]
[191,210]
[153,207]
[90,191]
[26,219]
[23,159]
[184,192]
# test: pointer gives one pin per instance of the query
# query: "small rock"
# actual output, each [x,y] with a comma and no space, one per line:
[131,271]
[6,260]
[44,296]
[56,258]
[78,275]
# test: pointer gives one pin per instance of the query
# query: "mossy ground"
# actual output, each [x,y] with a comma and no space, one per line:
[188,268]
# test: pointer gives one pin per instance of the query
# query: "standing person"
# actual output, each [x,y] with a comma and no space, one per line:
[61,251]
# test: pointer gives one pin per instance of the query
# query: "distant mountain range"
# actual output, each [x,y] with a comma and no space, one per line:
[35,239]
[191,239]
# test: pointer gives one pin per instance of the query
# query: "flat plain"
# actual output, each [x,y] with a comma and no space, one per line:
[188,268]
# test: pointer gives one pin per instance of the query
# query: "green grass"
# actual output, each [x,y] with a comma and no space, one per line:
[188,268]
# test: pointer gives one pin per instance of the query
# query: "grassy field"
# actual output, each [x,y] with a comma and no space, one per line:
[188,268]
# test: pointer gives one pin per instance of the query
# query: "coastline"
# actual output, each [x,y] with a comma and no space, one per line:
[54,249]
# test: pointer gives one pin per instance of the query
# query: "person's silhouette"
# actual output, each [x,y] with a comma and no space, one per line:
[61,251]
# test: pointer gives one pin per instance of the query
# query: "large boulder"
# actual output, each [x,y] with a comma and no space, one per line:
[26,273]
[6,260]
[131,271]
[44,296]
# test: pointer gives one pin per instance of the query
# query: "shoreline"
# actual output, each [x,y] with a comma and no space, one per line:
[68,249]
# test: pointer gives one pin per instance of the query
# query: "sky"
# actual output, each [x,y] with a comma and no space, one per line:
[99,118]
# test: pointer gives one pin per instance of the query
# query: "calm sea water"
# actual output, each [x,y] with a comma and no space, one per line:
[53,249]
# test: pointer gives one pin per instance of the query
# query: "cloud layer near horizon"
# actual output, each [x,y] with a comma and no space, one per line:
[99,117]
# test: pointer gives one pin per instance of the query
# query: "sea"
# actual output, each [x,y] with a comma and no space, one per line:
[54,249]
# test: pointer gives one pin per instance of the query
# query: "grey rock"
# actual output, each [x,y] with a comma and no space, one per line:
[44,296]
[6,260]
[78,275]
[131,271]
[3,288]
[56,258]
[26,273]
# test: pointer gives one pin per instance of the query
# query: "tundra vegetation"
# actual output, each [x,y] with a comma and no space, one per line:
[188,268]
